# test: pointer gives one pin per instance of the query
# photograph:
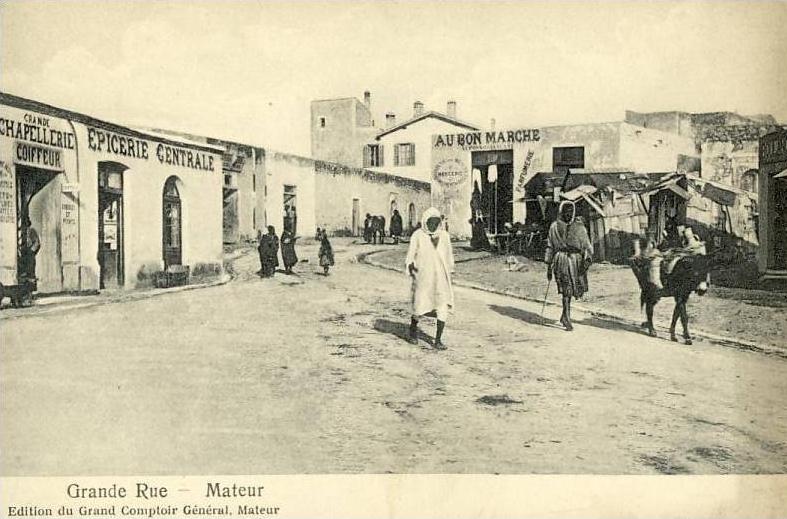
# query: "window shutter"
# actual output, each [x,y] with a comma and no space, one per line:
[396,154]
[366,155]
[380,160]
[412,154]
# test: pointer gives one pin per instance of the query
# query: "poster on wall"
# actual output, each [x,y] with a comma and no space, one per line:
[7,224]
[69,225]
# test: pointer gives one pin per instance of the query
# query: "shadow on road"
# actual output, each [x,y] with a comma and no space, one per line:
[399,329]
[533,318]
[522,315]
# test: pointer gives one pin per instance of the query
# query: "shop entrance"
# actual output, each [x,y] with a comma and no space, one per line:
[779,202]
[38,202]
[496,184]
[172,227]
[110,224]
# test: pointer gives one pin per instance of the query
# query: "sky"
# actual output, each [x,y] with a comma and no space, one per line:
[247,71]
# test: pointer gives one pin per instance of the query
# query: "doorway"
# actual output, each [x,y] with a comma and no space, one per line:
[38,201]
[172,224]
[290,213]
[497,188]
[110,224]
[356,220]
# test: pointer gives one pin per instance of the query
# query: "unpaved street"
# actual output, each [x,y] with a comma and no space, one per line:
[308,374]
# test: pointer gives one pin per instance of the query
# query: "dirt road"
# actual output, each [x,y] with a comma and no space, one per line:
[309,374]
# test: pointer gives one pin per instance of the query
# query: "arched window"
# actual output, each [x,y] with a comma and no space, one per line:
[172,224]
[749,181]
[411,216]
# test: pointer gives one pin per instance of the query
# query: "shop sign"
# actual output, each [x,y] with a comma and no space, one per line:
[773,148]
[37,129]
[7,196]
[69,227]
[7,224]
[38,156]
[104,141]
[520,185]
[451,171]
[489,140]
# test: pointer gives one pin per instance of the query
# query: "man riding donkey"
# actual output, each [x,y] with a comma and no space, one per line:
[671,270]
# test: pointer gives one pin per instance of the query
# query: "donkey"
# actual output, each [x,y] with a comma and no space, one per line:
[690,274]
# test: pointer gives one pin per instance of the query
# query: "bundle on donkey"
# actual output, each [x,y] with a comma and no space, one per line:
[687,271]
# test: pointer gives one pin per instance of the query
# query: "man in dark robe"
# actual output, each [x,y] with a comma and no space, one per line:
[367,228]
[269,252]
[397,226]
[29,245]
[288,256]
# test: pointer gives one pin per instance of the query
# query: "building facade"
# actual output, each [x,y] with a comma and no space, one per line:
[772,259]
[113,206]
[499,164]
[340,128]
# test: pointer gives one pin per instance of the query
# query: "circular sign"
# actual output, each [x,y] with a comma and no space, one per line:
[451,171]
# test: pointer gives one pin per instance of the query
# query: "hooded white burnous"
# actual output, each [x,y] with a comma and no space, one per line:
[432,289]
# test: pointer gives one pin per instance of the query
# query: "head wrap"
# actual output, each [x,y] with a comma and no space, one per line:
[430,213]
[573,210]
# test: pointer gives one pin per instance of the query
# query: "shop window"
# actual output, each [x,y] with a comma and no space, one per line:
[568,157]
[373,155]
[172,224]
[404,154]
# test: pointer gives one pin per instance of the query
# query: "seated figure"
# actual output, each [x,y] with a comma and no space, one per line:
[692,246]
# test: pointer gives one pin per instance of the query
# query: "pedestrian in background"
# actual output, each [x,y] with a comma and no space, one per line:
[396,226]
[568,256]
[269,252]
[430,264]
[288,255]
[29,245]
[326,253]
[367,228]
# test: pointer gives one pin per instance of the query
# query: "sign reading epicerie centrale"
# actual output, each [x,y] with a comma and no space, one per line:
[127,146]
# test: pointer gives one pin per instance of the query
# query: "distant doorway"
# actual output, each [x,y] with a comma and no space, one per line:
[356,218]
[290,213]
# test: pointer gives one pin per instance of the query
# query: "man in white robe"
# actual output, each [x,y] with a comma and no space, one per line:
[430,264]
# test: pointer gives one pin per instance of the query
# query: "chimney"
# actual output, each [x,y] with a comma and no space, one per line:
[418,108]
[367,99]
[390,120]
[492,123]
[450,109]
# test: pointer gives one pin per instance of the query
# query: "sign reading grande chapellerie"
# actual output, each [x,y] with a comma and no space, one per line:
[104,141]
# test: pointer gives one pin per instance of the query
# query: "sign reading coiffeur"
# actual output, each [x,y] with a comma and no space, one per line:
[105,141]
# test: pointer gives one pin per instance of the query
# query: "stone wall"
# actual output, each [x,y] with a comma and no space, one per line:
[337,186]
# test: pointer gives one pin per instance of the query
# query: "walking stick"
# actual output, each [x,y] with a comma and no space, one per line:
[546,294]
